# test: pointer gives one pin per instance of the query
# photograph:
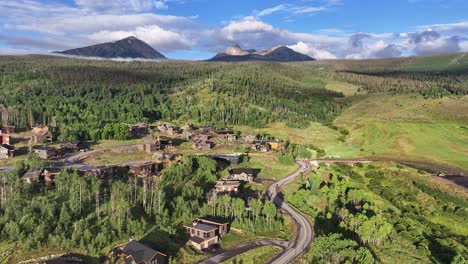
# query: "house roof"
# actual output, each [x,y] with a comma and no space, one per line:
[141,253]
[226,183]
[44,148]
[8,147]
[74,142]
[239,171]
[32,173]
[213,221]
[201,226]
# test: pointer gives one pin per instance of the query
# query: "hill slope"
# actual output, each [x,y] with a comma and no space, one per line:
[130,47]
[278,54]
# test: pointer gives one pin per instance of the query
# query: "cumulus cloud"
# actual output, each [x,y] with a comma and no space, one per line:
[154,35]
[120,6]
[310,50]
[48,26]
[431,42]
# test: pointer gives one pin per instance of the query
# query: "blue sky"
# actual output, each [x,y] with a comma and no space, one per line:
[197,29]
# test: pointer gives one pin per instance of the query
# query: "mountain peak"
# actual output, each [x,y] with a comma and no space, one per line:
[129,47]
[278,53]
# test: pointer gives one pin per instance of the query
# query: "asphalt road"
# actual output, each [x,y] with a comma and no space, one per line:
[304,231]
[291,249]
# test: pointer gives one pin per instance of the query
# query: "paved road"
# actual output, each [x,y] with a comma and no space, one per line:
[243,248]
[291,249]
[304,233]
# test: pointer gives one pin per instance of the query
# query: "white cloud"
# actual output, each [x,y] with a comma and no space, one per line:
[153,35]
[310,50]
[57,26]
[121,6]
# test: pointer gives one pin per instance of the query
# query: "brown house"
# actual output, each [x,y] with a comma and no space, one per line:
[266,145]
[245,175]
[144,169]
[205,233]
[202,145]
[32,176]
[46,152]
[71,145]
[249,138]
[104,173]
[169,129]
[205,130]
[42,137]
[153,145]
[230,187]
[139,130]
[48,177]
[6,151]
[134,252]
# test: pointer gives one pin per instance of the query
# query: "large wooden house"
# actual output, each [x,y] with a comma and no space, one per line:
[134,252]
[227,187]
[41,134]
[205,232]
[46,152]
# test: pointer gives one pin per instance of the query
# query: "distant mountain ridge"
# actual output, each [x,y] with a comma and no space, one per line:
[130,47]
[278,53]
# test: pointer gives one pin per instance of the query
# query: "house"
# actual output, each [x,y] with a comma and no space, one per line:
[144,169]
[139,130]
[266,145]
[274,144]
[205,233]
[6,151]
[165,159]
[71,145]
[48,177]
[249,138]
[134,252]
[205,130]
[4,138]
[260,145]
[40,128]
[46,152]
[8,129]
[201,137]
[169,129]
[41,137]
[230,187]
[245,175]
[202,145]
[232,138]
[32,176]
[104,173]
[153,145]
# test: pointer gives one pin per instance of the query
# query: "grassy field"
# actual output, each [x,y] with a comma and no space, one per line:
[255,256]
[406,126]
[109,157]
[457,62]
[316,134]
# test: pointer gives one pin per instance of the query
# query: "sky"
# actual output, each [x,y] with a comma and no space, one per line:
[198,29]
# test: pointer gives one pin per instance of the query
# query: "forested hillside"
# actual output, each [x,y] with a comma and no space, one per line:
[79,97]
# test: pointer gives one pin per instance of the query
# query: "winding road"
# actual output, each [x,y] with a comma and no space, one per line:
[291,249]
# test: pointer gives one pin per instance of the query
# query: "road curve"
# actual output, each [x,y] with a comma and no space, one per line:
[243,248]
[291,249]
[304,231]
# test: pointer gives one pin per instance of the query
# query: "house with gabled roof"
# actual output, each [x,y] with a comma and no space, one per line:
[205,232]
[135,252]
